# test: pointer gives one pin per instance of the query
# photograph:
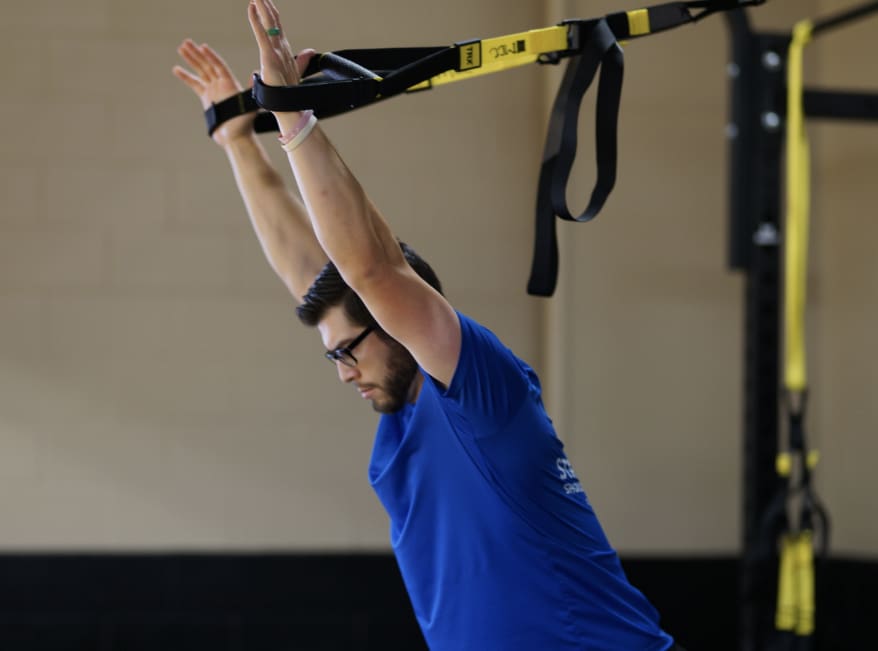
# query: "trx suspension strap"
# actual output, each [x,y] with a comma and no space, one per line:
[337,82]
[797,216]
[559,152]
[796,509]
[601,49]
[796,602]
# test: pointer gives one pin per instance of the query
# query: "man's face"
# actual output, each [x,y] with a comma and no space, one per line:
[386,374]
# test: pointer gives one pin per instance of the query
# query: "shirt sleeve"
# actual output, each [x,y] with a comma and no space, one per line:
[490,383]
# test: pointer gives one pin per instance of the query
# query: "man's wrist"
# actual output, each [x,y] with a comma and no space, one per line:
[286,135]
[290,140]
[287,120]
[240,141]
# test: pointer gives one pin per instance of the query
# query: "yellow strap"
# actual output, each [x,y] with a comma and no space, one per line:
[799,547]
[797,199]
[787,612]
[638,22]
[805,583]
[783,464]
[502,53]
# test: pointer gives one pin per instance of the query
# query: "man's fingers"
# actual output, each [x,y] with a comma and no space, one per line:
[189,79]
[256,26]
[263,18]
[206,66]
[220,67]
[195,58]
[215,59]
[269,15]
[273,12]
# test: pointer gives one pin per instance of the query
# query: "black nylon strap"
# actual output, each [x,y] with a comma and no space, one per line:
[343,93]
[265,123]
[668,16]
[324,98]
[229,108]
[601,51]
[322,75]
[421,70]
[338,67]
[386,59]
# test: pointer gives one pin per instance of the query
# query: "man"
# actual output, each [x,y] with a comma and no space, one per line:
[497,544]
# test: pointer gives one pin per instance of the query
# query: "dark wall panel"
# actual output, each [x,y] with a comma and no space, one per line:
[318,602]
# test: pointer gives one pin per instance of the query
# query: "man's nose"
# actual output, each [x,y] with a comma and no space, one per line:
[346,373]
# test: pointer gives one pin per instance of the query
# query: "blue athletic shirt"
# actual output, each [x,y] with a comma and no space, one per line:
[497,544]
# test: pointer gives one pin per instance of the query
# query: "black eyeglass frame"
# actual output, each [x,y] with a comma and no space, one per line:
[344,354]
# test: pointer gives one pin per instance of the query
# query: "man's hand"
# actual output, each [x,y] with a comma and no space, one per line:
[279,67]
[212,82]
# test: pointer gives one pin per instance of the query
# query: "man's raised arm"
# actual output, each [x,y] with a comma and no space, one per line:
[278,217]
[350,229]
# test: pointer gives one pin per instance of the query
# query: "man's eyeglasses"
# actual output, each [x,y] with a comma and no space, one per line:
[344,354]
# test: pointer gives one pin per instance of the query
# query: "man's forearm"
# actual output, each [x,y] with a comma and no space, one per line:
[278,217]
[348,227]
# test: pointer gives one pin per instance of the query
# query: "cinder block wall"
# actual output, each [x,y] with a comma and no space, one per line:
[156,390]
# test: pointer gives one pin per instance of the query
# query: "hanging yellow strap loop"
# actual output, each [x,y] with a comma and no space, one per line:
[795,589]
[805,583]
[797,197]
[787,593]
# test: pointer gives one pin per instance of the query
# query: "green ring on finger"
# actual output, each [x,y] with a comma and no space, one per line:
[273,31]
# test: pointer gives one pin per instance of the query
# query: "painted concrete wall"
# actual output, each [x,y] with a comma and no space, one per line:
[156,390]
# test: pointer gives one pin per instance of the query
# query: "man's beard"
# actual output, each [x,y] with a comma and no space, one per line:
[401,371]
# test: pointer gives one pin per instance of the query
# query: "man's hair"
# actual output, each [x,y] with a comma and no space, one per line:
[329,290]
